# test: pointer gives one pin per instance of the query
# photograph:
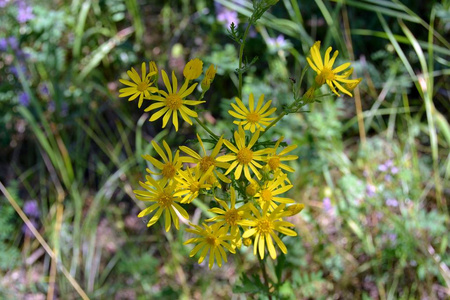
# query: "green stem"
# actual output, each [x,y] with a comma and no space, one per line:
[266,278]
[206,128]
[241,54]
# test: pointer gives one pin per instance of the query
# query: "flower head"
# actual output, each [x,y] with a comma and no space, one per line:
[205,161]
[264,226]
[212,239]
[140,87]
[173,102]
[191,182]
[275,160]
[229,216]
[326,73]
[253,118]
[243,157]
[267,195]
[162,194]
[193,69]
[170,164]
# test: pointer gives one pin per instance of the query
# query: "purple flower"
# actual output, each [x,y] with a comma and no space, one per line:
[3,3]
[227,16]
[391,202]
[371,190]
[31,208]
[388,178]
[394,170]
[392,237]
[279,42]
[24,99]
[24,12]
[382,168]
[327,206]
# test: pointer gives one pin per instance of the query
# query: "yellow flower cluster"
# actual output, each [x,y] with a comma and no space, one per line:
[172,101]
[241,178]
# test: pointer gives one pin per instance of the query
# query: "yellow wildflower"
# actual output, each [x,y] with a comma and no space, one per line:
[243,157]
[267,195]
[264,226]
[171,164]
[191,182]
[326,73]
[193,69]
[229,216]
[274,160]
[173,102]
[211,239]
[140,87]
[254,118]
[206,161]
[165,201]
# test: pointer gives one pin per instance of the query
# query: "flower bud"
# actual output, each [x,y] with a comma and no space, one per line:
[247,242]
[153,69]
[193,69]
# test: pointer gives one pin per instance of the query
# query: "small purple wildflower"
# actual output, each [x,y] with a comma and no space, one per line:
[31,208]
[24,12]
[227,16]
[392,237]
[388,178]
[389,163]
[394,170]
[371,190]
[382,168]
[24,99]
[391,202]
[279,42]
[3,3]
[327,206]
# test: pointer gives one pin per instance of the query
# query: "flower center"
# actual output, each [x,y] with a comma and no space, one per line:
[165,200]
[266,195]
[195,187]
[264,225]
[168,170]
[326,74]
[212,240]
[274,163]
[142,86]
[205,163]
[245,155]
[232,216]
[173,101]
[253,117]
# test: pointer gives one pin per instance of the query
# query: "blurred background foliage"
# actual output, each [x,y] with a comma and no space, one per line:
[373,171]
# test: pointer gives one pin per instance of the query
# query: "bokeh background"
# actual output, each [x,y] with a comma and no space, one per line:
[373,170]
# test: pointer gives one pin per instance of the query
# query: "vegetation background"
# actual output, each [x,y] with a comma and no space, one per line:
[373,170]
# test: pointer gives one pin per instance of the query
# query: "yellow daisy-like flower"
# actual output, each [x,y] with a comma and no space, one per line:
[254,118]
[267,195]
[326,73]
[264,227]
[140,87]
[212,239]
[170,164]
[206,161]
[275,161]
[165,202]
[193,69]
[229,216]
[190,183]
[173,102]
[243,157]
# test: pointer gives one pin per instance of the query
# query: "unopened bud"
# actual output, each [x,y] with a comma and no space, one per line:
[247,242]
